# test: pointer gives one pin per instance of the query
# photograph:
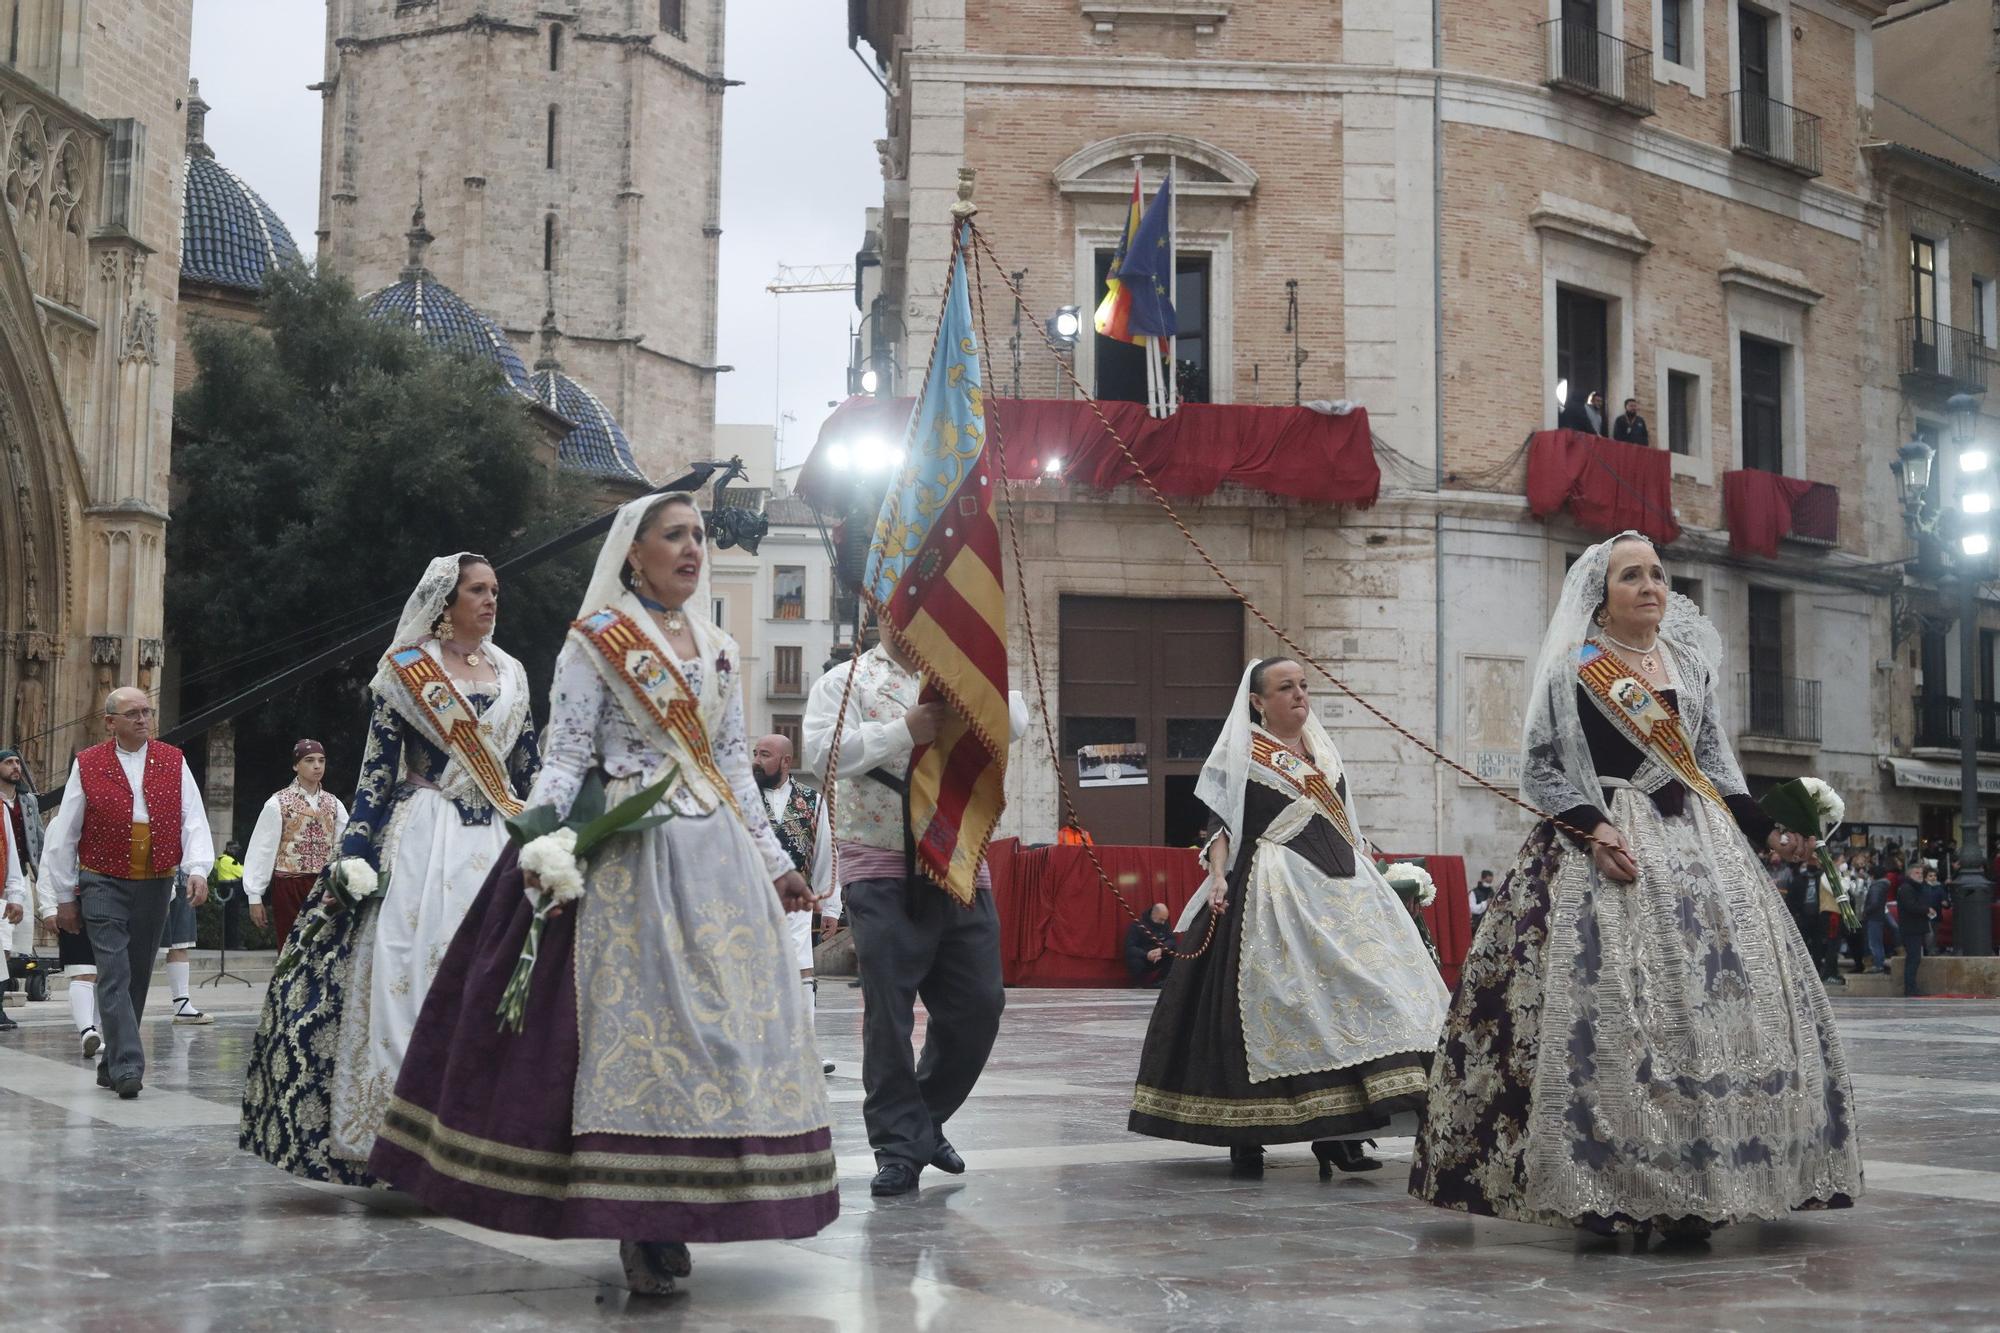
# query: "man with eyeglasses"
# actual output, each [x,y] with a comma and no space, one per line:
[131,820]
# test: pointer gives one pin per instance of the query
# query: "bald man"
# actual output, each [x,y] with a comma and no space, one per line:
[131,821]
[795,818]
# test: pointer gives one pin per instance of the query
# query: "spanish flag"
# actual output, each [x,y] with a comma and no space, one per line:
[934,579]
[1114,312]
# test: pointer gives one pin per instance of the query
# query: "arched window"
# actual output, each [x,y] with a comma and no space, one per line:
[555,46]
[550,162]
[549,243]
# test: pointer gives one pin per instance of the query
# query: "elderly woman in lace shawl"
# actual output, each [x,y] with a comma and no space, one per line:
[1312,1012]
[1640,1040]
[451,749]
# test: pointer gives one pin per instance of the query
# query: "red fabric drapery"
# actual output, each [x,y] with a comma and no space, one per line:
[1059,927]
[1289,451]
[1607,486]
[1760,509]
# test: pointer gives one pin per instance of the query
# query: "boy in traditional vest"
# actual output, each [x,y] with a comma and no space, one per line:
[131,818]
[297,833]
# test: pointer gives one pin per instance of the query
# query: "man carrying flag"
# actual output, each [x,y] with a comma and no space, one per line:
[921,768]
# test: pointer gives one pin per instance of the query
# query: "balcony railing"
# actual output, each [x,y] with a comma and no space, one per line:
[778,685]
[1780,707]
[1596,64]
[1767,128]
[1816,516]
[1938,717]
[1938,358]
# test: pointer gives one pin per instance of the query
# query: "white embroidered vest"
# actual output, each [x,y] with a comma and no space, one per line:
[866,811]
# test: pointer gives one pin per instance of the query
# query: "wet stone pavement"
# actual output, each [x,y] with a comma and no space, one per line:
[137,1216]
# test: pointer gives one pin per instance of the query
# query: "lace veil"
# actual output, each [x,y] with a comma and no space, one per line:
[420,613]
[1557,772]
[607,583]
[1227,771]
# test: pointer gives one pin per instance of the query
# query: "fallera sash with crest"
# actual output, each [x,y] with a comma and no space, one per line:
[656,696]
[1643,717]
[435,703]
[1306,779]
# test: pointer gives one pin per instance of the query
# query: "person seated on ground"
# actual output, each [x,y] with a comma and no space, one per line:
[1147,946]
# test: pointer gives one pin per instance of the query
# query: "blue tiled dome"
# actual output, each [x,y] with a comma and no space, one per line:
[443,319]
[597,446]
[229,235]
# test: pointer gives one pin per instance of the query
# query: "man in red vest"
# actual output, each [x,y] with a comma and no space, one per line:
[131,817]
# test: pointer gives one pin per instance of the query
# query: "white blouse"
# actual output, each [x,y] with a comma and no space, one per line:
[588,727]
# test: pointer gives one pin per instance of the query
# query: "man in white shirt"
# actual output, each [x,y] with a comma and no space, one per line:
[297,834]
[131,820]
[796,817]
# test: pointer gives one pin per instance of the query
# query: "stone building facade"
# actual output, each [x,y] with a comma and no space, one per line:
[91,112]
[569,160]
[1477,203]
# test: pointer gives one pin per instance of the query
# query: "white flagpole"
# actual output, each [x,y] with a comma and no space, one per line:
[1173,378]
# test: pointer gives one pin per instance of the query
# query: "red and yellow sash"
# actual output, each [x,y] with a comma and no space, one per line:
[455,724]
[1644,717]
[653,684]
[1302,777]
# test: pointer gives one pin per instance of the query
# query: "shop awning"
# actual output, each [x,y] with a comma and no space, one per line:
[1930,775]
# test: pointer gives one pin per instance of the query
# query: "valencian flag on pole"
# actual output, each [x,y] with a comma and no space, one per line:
[1138,303]
[934,577]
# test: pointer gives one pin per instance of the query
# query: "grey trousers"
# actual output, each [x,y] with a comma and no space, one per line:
[123,918]
[910,942]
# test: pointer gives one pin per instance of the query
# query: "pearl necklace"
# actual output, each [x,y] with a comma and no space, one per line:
[1648,662]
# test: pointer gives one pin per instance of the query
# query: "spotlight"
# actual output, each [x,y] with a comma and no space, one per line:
[871,382]
[1066,325]
[1052,467]
[838,457]
[1562,393]
[1974,543]
[1976,502]
[1972,460]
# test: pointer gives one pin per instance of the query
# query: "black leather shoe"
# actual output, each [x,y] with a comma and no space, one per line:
[895,1177]
[1345,1154]
[103,1075]
[1247,1160]
[947,1160]
[7,1024]
[128,1087]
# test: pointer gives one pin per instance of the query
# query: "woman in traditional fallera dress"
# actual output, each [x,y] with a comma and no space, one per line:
[664,1087]
[1313,1013]
[1640,1039]
[428,822]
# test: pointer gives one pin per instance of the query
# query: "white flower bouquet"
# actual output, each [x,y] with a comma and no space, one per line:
[346,884]
[1412,881]
[1811,807]
[553,852]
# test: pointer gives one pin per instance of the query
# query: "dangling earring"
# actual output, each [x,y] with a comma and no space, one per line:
[1601,618]
[441,630]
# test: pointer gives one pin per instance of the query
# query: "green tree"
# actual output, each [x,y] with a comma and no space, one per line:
[323,459]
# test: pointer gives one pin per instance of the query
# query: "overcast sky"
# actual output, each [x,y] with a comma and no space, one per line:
[799,167]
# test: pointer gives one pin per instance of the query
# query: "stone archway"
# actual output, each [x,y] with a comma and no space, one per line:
[41,492]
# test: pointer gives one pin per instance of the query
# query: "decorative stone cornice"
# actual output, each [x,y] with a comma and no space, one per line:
[106,649]
[1588,222]
[1239,178]
[1769,279]
[1200,14]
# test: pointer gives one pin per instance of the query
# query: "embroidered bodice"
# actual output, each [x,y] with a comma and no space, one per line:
[589,728]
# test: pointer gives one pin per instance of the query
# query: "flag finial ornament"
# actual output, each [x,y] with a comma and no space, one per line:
[964,208]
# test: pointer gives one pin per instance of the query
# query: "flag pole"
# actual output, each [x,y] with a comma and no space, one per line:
[1173,385]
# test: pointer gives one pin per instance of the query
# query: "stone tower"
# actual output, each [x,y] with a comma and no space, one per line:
[569,153]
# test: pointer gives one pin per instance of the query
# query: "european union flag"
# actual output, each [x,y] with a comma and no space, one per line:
[1148,270]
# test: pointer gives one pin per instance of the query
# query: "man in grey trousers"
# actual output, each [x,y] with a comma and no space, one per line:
[131,818]
[911,938]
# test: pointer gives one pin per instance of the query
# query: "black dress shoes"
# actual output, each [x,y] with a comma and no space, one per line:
[103,1075]
[1246,1159]
[894,1177]
[7,1024]
[947,1160]
[128,1087]
[1345,1154]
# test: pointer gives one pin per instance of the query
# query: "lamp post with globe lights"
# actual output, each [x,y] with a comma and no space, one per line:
[1957,538]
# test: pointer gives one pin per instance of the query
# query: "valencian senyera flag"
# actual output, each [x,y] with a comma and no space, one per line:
[934,577]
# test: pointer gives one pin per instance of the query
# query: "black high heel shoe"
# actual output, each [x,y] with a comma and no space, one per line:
[1345,1154]
[1246,1160]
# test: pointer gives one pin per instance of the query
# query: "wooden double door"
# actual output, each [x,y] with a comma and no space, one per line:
[1160,673]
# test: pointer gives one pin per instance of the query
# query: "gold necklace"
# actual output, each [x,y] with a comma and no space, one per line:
[471,659]
[1649,662]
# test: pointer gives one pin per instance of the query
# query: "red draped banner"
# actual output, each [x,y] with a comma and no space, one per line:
[1290,451]
[1761,507]
[1607,486]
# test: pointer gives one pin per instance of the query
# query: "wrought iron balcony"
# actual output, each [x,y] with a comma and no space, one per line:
[1938,722]
[1765,127]
[1582,59]
[1779,707]
[1935,358]
[778,685]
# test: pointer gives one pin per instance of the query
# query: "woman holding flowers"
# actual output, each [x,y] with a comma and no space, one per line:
[451,746]
[651,1077]
[1640,1040]
[1312,1012]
